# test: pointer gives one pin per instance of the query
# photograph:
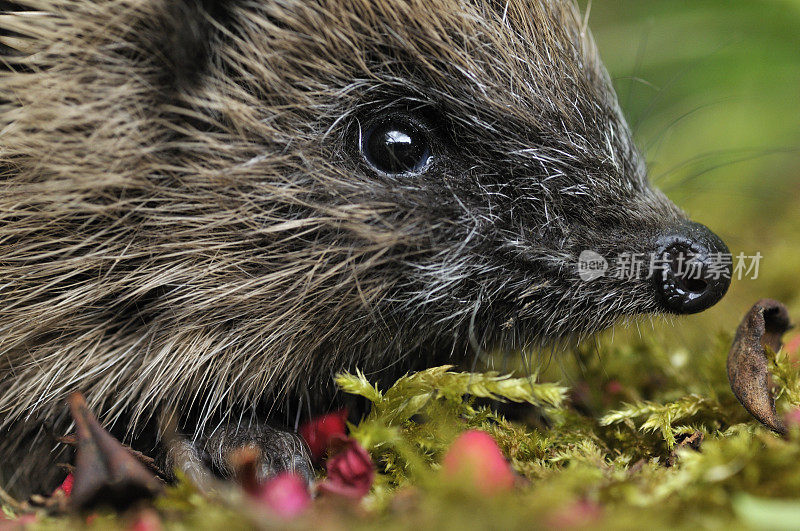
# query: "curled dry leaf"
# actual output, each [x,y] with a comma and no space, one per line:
[105,471]
[146,460]
[748,372]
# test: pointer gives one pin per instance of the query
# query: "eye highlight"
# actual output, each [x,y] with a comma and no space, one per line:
[397,146]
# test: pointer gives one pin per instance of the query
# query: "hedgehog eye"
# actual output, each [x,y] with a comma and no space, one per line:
[396,146]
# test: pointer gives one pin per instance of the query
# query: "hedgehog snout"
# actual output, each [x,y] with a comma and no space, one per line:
[695,268]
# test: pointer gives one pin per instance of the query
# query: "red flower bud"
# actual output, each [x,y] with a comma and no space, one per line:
[11,523]
[579,513]
[792,346]
[66,485]
[475,457]
[350,469]
[614,387]
[792,418]
[319,431]
[146,520]
[285,495]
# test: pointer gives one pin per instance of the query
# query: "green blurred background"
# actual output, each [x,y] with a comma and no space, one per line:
[712,90]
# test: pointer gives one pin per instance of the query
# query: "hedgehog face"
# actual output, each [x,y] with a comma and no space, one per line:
[483,145]
[244,197]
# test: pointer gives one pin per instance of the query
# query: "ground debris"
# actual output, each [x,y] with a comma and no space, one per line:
[748,370]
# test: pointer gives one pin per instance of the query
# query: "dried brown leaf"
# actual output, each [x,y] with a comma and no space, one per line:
[748,371]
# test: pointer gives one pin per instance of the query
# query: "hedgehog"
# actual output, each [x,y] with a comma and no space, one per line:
[210,208]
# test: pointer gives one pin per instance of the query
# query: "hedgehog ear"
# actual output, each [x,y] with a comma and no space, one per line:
[185,36]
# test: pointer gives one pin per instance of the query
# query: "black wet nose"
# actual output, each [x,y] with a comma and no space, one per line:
[695,269]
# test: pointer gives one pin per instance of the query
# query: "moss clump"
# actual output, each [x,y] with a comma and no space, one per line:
[657,437]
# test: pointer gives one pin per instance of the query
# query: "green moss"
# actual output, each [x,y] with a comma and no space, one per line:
[609,458]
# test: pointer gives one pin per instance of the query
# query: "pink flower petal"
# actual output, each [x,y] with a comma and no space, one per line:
[614,387]
[18,523]
[286,495]
[792,418]
[350,469]
[66,485]
[793,344]
[475,456]
[319,432]
[146,520]
[579,513]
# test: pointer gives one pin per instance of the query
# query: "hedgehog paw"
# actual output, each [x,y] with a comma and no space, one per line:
[277,451]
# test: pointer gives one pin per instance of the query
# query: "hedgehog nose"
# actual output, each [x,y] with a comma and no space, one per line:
[695,269]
